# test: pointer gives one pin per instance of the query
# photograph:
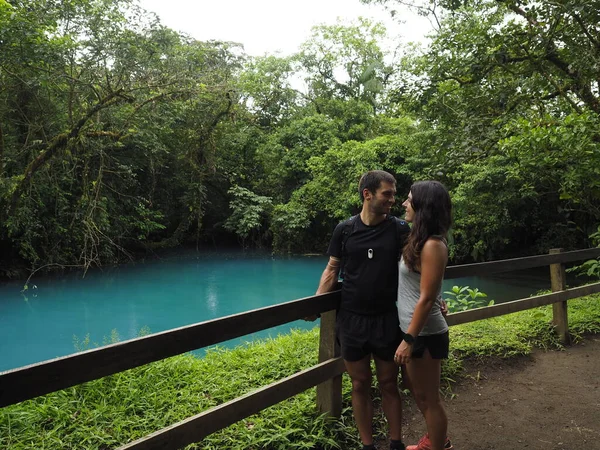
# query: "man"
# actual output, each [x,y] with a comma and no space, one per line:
[368,246]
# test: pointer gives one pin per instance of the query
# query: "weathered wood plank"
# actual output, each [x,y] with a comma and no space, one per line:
[329,393]
[196,428]
[49,376]
[520,305]
[508,265]
[558,282]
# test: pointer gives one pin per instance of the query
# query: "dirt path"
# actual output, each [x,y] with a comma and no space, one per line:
[549,401]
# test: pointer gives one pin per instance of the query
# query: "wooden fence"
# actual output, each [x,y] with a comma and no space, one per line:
[38,379]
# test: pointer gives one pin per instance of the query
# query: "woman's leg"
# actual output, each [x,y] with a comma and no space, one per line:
[424,374]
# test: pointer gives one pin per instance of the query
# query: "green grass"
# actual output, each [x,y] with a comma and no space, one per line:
[109,412]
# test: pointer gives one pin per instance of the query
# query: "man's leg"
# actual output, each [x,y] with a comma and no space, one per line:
[424,374]
[362,405]
[387,376]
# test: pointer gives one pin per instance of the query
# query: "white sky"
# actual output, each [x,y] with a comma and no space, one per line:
[270,26]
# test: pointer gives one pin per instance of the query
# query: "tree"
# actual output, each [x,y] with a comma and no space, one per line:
[346,62]
[92,101]
[266,89]
[512,82]
[249,213]
[331,193]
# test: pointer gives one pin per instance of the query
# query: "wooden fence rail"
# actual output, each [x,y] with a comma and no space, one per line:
[502,309]
[31,381]
[49,376]
[198,427]
[511,265]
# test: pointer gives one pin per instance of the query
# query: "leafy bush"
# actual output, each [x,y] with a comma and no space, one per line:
[463,298]
[248,213]
[590,268]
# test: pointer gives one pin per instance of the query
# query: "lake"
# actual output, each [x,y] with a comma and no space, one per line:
[46,320]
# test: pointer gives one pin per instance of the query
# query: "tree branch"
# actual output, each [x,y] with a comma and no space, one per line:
[583,91]
[150,100]
[59,143]
[595,42]
[514,8]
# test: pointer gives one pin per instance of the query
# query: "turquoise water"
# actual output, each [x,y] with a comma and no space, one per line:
[42,322]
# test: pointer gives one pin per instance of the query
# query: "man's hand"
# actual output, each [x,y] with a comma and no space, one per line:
[311,318]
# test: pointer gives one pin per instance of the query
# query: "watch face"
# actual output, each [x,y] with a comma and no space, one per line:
[409,338]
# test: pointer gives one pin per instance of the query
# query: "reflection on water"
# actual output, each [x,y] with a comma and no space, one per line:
[211,295]
[171,293]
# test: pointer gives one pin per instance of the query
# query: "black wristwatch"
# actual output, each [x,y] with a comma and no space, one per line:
[408,338]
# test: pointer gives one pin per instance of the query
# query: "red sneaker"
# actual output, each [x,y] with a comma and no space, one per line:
[425,444]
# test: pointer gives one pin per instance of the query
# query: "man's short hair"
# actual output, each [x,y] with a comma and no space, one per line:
[372,180]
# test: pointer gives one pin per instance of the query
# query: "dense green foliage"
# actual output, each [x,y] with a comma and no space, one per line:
[511,90]
[120,408]
[119,135]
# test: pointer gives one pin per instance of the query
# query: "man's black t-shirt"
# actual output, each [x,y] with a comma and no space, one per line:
[370,264]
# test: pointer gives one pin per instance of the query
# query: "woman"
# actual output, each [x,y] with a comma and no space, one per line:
[424,330]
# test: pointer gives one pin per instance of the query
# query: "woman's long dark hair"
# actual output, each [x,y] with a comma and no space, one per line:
[432,216]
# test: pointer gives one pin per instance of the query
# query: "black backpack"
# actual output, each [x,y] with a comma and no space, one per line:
[402,230]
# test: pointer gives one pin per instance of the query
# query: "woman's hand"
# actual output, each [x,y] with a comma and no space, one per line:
[403,353]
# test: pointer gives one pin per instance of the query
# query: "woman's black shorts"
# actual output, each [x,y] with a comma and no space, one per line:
[437,344]
[360,335]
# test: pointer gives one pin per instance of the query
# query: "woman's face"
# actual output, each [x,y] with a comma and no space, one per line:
[410,212]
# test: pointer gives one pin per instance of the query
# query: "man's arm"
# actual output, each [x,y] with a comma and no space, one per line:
[329,277]
[328,280]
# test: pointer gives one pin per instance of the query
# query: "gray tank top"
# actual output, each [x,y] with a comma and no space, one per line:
[409,289]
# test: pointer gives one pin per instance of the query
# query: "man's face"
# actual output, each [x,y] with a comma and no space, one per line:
[383,199]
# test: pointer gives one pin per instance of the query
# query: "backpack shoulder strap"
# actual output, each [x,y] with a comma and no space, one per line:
[402,231]
[347,231]
[348,228]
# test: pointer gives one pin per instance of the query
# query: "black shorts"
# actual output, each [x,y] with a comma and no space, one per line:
[360,335]
[437,344]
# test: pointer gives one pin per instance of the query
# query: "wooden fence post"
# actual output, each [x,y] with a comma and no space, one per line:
[558,282]
[329,393]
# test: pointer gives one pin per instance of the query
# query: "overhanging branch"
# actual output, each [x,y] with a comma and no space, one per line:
[59,143]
